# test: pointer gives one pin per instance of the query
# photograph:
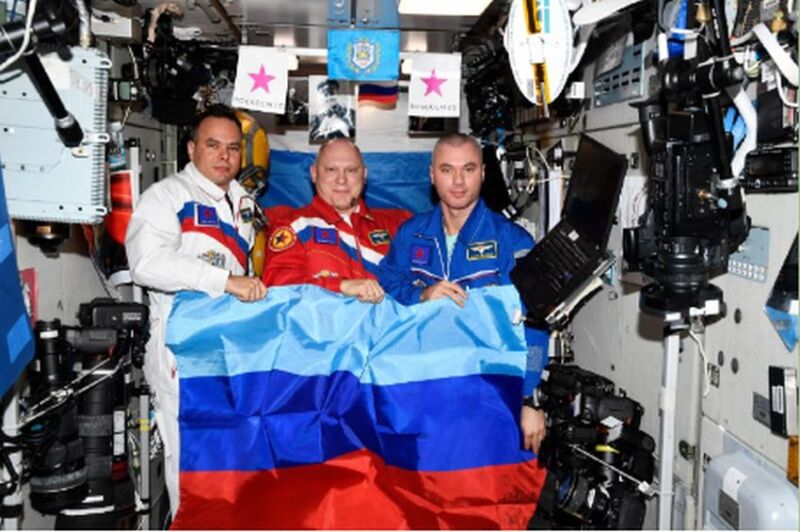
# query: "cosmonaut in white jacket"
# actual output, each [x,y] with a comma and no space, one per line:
[191,231]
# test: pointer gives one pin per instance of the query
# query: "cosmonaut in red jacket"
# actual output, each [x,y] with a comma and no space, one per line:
[336,241]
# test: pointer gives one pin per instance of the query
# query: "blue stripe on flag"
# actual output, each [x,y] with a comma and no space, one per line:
[371,88]
[275,419]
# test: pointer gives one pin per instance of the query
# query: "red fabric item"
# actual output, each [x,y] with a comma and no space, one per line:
[359,491]
[313,245]
[121,205]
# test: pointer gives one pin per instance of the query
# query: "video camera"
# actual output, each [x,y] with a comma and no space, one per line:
[72,434]
[602,462]
[696,215]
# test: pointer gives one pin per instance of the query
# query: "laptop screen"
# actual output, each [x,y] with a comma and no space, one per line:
[594,188]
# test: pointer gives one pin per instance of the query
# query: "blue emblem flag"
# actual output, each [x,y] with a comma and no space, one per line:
[363,55]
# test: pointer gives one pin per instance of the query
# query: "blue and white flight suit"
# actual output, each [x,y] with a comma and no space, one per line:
[484,254]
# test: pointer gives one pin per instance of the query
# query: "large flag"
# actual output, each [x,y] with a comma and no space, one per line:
[363,55]
[261,79]
[435,88]
[312,410]
[16,339]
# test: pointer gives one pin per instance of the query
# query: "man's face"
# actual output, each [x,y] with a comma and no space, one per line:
[457,174]
[339,176]
[216,151]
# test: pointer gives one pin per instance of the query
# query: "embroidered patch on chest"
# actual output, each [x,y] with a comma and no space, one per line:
[282,238]
[420,255]
[324,235]
[379,237]
[206,215]
[214,258]
[247,215]
[482,250]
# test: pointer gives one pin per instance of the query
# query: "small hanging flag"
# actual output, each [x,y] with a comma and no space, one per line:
[381,94]
[261,79]
[363,55]
[435,88]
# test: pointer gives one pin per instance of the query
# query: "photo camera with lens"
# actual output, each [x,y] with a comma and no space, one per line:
[74,413]
[600,464]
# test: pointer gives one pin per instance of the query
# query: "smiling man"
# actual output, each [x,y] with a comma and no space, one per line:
[336,241]
[187,233]
[462,244]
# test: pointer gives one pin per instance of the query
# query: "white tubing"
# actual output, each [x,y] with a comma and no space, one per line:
[782,59]
[748,114]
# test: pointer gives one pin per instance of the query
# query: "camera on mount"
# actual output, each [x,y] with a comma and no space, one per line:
[487,87]
[73,436]
[173,72]
[696,215]
[601,462]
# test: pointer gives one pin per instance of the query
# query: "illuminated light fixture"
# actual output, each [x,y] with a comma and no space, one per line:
[447,8]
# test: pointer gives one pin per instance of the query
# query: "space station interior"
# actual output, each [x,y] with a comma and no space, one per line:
[648,148]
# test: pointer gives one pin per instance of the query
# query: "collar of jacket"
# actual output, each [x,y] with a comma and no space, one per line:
[332,216]
[213,190]
[435,226]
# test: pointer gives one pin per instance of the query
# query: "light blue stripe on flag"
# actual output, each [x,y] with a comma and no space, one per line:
[18,337]
[306,330]
[363,55]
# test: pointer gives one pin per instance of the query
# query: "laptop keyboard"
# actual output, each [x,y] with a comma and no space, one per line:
[564,255]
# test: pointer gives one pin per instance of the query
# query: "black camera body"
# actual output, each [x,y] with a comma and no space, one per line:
[694,219]
[593,434]
[75,469]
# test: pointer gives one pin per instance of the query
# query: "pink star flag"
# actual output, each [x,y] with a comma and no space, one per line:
[435,88]
[261,79]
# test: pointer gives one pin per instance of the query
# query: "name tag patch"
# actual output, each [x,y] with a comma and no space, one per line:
[206,215]
[379,237]
[482,250]
[420,255]
[324,235]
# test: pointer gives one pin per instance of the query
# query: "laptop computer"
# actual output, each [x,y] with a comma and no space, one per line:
[574,252]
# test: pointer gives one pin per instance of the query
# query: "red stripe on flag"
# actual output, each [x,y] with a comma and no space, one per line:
[188,226]
[359,491]
[389,98]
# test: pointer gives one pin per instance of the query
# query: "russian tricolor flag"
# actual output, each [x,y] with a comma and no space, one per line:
[312,410]
[379,94]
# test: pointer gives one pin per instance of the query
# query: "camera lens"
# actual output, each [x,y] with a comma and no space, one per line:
[58,469]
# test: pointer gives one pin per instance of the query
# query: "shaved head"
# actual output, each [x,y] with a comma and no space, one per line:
[339,142]
[457,140]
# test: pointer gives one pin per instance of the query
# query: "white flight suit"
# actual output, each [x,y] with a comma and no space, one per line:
[183,235]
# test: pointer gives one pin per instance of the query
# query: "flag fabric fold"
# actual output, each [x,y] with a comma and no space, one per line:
[312,410]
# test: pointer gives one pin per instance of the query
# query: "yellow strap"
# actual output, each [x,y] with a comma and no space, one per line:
[605,449]
[539,70]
